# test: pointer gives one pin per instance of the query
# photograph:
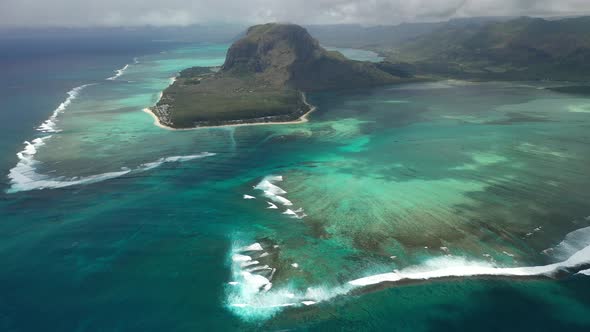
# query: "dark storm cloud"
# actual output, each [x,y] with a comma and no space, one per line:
[184,12]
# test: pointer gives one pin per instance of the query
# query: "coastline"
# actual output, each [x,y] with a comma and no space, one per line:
[302,119]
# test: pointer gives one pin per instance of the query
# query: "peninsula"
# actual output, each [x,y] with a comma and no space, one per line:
[264,80]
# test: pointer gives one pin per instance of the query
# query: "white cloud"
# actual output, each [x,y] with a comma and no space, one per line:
[184,12]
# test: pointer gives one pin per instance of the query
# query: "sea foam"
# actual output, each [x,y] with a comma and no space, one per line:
[445,267]
[24,175]
[119,72]
[50,126]
[159,162]
[254,304]
[573,242]
[272,191]
[253,294]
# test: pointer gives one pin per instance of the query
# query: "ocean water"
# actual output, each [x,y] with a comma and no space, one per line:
[460,196]
[356,54]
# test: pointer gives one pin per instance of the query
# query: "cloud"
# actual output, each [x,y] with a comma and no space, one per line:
[185,12]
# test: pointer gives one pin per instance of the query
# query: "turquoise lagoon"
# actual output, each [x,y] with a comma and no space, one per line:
[112,223]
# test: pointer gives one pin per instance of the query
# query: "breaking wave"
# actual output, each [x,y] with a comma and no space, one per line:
[574,251]
[276,194]
[119,72]
[272,191]
[446,267]
[252,298]
[573,242]
[252,295]
[24,176]
[50,126]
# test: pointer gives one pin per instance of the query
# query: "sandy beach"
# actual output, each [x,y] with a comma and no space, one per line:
[304,118]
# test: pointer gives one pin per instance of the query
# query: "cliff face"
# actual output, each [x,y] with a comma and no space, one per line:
[271,47]
[286,54]
[262,80]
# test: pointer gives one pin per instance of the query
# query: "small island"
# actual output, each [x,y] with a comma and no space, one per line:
[264,80]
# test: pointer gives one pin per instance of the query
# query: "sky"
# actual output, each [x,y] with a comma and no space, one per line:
[89,13]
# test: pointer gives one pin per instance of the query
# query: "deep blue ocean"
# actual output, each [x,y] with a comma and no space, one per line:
[38,71]
[437,206]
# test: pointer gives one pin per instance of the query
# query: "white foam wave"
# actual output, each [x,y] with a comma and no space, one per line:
[573,242]
[49,126]
[250,303]
[278,199]
[295,213]
[240,258]
[248,263]
[272,191]
[251,277]
[24,175]
[159,162]
[290,212]
[119,72]
[253,295]
[249,197]
[253,247]
[445,267]
[252,299]
[267,185]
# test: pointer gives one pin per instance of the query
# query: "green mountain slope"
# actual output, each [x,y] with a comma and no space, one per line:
[263,79]
[523,48]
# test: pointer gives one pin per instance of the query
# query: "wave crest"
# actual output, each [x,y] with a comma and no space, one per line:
[253,301]
[50,126]
[119,72]
[24,176]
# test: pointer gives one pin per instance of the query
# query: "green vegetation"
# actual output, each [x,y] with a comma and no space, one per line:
[263,79]
[518,49]
[477,48]
[219,101]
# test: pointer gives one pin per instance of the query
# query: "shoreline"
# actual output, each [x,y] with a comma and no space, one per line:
[302,119]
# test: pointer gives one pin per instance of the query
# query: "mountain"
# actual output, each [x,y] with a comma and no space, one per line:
[522,48]
[358,36]
[384,36]
[264,78]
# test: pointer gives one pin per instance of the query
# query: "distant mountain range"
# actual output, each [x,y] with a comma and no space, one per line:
[366,37]
[486,48]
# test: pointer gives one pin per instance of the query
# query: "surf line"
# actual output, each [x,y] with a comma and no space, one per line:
[118,73]
[24,176]
[441,268]
[50,126]
[121,71]
[259,300]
